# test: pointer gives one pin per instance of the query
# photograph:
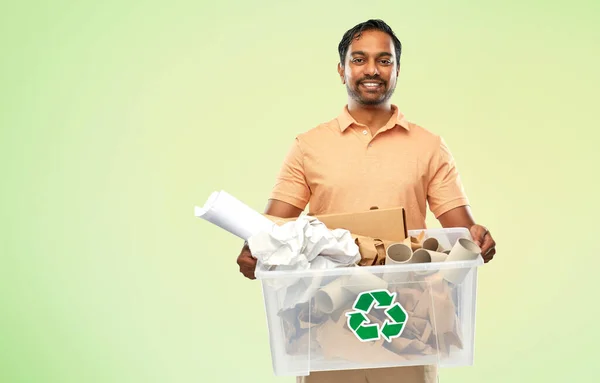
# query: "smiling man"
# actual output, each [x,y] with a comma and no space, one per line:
[371,155]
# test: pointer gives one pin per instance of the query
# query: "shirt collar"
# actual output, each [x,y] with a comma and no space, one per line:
[345,120]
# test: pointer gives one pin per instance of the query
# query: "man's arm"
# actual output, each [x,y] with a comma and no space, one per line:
[462,217]
[449,203]
[458,217]
[290,185]
[281,209]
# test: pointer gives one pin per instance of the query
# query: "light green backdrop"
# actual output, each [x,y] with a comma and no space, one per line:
[117,118]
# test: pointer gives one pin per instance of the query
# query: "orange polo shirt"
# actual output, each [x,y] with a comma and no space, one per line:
[339,166]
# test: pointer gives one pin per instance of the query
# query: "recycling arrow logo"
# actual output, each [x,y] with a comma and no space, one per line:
[378,299]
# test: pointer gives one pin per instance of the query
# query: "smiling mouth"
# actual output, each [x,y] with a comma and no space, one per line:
[371,85]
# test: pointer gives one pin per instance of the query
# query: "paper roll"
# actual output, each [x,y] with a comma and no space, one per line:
[231,214]
[421,256]
[362,280]
[432,244]
[398,253]
[334,295]
[463,250]
[436,256]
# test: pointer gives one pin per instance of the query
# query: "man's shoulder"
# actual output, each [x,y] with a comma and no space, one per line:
[419,132]
[321,131]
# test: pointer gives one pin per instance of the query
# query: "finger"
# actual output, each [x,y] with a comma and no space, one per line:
[489,256]
[248,262]
[249,274]
[248,271]
[488,244]
[246,258]
[248,254]
[478,232]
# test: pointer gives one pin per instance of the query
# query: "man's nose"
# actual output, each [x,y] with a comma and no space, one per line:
[371,69]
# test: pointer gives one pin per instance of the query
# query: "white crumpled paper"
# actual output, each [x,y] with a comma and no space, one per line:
[302,244]
[305,243]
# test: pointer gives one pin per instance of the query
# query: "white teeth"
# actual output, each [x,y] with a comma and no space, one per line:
[370,84]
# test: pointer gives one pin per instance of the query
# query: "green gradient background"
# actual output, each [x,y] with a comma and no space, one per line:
[116,119]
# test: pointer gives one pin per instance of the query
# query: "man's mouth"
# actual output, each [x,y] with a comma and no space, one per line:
[371,84]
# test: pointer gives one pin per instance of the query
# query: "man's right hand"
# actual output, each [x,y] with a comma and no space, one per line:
[274,208]
[246,262]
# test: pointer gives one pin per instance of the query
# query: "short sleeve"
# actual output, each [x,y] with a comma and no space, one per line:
[445,191]
[291,185]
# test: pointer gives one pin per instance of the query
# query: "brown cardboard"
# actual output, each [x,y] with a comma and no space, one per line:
[385,224]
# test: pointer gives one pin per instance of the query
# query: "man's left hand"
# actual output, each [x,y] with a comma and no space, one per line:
[482,237]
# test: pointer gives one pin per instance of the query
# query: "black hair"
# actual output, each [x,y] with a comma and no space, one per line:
[369,25]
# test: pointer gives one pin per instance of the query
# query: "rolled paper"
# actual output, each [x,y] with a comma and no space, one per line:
[437,256]
[333,296]
[398,253]
[421,256]
[361,280]
[232,215]
[463,250]
[432,244]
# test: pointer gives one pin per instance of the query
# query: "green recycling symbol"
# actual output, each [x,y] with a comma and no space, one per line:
[378,299]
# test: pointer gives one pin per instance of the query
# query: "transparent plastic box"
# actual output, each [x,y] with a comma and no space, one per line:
[373,317]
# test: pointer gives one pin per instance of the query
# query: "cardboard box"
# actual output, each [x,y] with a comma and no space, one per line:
[385,224]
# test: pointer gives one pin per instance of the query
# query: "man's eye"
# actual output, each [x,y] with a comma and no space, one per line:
[386,62]
[357,60]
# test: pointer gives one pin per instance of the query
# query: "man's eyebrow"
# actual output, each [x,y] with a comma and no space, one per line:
[364,54]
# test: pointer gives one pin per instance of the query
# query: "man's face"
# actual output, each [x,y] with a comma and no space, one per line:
[370,70]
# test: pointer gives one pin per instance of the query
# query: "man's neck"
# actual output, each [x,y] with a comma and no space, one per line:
[373,116]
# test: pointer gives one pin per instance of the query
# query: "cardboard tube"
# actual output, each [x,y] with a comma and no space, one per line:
[333,296]
[398,253]
[361,281]
[421,256]
[432,244]
[437,256]
[463,250]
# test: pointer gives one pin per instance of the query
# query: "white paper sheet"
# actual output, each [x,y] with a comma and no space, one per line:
[229,213]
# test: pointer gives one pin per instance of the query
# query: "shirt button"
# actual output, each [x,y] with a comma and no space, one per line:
[364,132]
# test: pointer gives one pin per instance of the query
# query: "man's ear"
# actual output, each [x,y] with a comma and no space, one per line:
[340,69]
